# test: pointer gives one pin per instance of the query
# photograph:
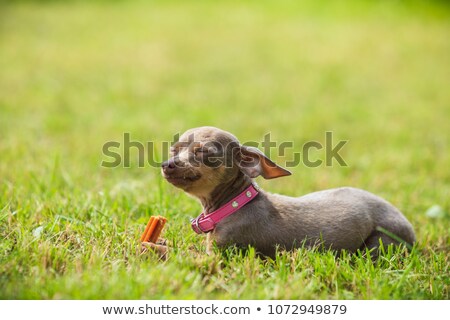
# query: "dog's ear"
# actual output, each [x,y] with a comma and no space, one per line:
[253,163]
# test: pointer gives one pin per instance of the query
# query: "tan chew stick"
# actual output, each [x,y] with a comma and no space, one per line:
[161,222]
[153,229]
[144,235]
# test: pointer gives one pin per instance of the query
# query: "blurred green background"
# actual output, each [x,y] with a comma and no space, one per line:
[76,74]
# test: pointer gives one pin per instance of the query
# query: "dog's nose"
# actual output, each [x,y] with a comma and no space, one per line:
[169,166]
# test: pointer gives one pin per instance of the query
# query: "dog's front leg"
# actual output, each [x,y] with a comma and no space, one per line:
[160,248]
[209,244]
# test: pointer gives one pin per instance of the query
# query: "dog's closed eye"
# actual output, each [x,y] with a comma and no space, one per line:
[174,151]
[207,149]
[201,151]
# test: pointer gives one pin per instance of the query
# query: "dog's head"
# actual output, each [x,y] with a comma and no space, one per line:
[206,157]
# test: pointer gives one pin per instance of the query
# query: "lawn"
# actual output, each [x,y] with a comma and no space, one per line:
[76,75]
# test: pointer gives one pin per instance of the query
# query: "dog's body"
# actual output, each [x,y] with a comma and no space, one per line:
[343,218]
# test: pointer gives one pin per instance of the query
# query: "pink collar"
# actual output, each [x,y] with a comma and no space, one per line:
[206,223]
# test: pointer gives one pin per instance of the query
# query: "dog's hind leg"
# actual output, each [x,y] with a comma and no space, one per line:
[373,242]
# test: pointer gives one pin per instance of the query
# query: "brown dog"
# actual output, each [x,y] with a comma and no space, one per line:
[211,165]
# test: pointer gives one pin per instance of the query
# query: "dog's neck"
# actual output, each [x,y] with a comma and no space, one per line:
[224,192]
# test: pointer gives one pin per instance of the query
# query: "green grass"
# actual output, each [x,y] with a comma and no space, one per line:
[76,75]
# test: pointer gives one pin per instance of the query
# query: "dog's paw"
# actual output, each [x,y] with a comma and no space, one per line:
[160,248]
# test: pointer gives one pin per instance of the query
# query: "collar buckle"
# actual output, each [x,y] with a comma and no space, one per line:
[195,224]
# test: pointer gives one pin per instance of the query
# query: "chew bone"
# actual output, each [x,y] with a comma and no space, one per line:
[153,229]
